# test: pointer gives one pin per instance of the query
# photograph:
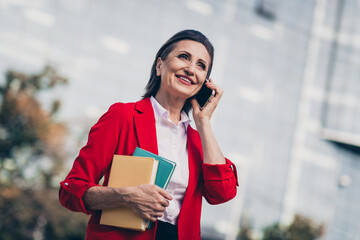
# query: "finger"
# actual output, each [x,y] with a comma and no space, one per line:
[155,215]
[218,91]
[164,193]
[195,105]
[158,214]
[210,85]
[153,219]
[159,207]
[148,217]
[215,88]
[165,204]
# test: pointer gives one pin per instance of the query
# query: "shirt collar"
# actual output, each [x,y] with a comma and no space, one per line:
[161,112]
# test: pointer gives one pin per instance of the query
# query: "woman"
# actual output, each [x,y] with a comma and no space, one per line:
[158,123]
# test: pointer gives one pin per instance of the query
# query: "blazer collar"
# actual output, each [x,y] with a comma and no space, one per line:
[160,112]
[144,120]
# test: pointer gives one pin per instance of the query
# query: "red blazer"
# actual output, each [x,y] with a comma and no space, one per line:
[119,131]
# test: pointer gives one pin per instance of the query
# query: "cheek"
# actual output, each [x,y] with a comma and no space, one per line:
[197,89]
[203,78]
[165,75]
[202,81]
[174,65]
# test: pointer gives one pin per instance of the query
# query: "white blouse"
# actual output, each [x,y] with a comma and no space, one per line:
[172,144]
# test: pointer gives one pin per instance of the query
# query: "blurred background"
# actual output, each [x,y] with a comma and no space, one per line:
[289,117]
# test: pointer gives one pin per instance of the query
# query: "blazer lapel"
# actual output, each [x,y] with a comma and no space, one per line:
[144,121]
[195,159]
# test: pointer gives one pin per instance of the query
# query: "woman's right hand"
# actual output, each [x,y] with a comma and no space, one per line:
[148,201]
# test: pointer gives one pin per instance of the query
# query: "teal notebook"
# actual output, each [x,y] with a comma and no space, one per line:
[165,169]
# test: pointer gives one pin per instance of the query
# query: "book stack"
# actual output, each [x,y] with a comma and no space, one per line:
[127,171]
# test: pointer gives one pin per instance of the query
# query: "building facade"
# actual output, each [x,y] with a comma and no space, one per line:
[290,70]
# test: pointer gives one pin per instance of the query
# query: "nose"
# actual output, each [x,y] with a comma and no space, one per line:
[190,69]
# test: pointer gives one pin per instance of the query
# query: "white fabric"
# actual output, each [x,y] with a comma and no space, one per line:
[172,144]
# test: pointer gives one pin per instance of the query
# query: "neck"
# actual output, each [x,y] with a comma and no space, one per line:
[172,104]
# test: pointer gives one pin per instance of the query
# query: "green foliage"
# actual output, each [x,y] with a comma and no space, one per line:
[30,136]
[300,229]
[245,230]
[29,133]
[304,229]
[26,213]
[275,232]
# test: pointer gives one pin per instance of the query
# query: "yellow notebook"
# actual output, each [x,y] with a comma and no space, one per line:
[128,171]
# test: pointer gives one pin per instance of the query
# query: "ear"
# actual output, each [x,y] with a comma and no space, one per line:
[158,66]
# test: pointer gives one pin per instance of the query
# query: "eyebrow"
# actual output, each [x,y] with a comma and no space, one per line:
[191,55]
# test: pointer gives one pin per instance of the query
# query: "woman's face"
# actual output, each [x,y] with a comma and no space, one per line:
[184,70]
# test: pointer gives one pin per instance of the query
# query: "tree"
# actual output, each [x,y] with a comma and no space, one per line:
[245,232]
[275,232]
[29,133]
[301,228]
[31,136]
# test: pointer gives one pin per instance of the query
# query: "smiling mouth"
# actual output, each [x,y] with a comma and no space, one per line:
[185,79]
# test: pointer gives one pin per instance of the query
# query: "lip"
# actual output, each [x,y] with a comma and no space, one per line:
[186,77]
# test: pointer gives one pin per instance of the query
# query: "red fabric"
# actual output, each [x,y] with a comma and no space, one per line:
[119,131]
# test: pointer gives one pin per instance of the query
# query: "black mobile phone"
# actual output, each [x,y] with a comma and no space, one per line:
[204,95]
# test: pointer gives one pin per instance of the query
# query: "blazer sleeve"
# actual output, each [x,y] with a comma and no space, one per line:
[220,182]
[93,160]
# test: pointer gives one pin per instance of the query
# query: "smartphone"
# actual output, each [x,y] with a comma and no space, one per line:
[204,95]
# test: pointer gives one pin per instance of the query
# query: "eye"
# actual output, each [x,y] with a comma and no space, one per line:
[184,56]
[202,65]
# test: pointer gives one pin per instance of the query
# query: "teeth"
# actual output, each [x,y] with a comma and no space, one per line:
[186,80]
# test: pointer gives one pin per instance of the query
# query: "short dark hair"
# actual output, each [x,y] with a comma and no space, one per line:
[154,82]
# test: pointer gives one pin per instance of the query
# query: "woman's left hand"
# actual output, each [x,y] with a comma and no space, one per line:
[211,151]
[208,110]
